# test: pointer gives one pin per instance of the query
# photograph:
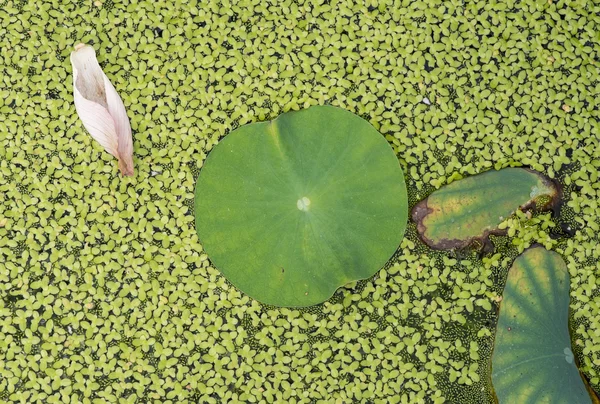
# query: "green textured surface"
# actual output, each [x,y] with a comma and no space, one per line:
[103,281]
[292,209]
[470,209]
[532,361]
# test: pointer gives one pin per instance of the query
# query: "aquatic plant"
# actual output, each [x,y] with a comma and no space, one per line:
[106,292]
[467,211]
[286,208]
[532,360]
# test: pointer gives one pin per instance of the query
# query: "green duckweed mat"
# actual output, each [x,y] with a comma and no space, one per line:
[105,292]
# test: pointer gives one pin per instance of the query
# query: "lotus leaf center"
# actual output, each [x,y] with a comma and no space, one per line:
[303,204]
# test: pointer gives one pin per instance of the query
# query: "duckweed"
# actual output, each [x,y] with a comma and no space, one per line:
[106,293]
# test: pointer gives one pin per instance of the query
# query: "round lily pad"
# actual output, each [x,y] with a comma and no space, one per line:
[292,209]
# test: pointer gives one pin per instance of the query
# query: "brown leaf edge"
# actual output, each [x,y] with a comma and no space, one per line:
[482,243]
[593,394]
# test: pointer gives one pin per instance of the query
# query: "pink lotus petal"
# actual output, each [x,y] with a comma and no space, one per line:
[100,108]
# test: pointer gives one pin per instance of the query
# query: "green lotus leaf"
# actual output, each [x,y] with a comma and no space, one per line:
[467,211]
[532,360]
[292,209]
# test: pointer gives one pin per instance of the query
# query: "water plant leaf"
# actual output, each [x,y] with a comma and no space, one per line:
[467,211]
[100,108]
[532,360]
[290,210]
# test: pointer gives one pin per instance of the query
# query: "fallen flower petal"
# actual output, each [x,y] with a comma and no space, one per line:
[100,108]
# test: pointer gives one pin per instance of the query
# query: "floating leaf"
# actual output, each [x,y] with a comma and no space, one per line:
[100,108]
[469,210]
[292,209]
[532,360]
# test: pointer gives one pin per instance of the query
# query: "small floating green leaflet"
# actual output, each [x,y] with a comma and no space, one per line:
[467,211]
[292,209]
[532,360]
